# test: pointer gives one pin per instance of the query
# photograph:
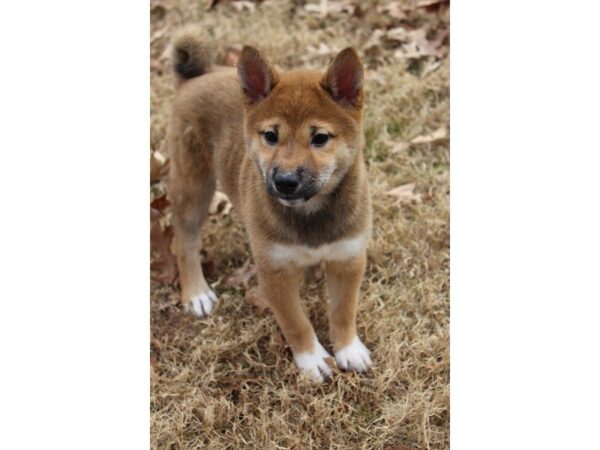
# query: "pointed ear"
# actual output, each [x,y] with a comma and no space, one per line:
[344,78]
[257,77]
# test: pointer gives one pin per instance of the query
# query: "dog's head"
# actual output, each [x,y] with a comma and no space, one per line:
[303,129]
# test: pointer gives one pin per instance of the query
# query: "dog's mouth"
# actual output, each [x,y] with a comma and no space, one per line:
[293,201]
[303,195]
[298,198]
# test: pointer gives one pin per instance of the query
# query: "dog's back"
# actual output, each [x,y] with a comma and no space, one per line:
[208,110]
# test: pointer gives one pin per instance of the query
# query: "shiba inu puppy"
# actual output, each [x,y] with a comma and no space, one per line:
[287,150]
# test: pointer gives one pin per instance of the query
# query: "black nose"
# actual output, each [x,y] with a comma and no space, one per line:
[286,182]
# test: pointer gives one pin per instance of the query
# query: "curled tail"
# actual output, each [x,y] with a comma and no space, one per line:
[190,55]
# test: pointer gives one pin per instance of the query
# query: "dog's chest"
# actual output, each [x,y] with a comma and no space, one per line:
[300,255]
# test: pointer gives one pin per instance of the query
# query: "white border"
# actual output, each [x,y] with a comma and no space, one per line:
[525,228]
[74,319]
[74,233]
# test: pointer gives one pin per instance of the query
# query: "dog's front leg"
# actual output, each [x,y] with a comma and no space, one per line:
[280,288]
[343,281]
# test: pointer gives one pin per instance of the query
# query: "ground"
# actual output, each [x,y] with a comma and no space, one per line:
[228,380]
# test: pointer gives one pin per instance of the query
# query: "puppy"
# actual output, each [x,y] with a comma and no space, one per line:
[287,150]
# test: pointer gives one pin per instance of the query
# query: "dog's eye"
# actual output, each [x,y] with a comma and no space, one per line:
[319,139]
[271,137]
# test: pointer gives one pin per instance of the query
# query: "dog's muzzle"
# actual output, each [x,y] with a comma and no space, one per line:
[291,187]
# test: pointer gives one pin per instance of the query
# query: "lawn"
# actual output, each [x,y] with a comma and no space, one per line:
[228,380]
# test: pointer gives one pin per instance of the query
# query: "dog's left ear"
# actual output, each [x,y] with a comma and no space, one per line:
[344,78]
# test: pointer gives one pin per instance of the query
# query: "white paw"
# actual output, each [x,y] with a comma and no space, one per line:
[354,357]
[313,363]
[203,304]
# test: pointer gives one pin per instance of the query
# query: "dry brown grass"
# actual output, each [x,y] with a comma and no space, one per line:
[228,381]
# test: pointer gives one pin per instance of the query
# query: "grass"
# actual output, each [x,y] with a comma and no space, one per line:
[228,381]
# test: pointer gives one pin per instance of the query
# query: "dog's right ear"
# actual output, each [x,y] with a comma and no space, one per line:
[344,78]
[257,77]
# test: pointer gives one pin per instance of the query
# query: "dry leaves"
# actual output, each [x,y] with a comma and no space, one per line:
[441,134]
[428,3]
[323,52]
[332,7]
[377,77]
[416,43]
[396,147]
[163,262]
[416,34]
[242,276]
[158,166]
[395,10]
[405,194]
[245,277]
[239,5]
[411,30]
[244,6]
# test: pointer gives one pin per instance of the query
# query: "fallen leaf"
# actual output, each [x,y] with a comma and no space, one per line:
[323,51]
[376,77]
[441,134]
[160,203]
[220,204]
[405,194]
[158,166]
[170,303]
[396,147]
[210,4]
[399,33]
[244,6]
[434,45]
[414,43]
[158,34]
[164,263]
[243,275]
[332,7]
[430,67]
[396,37]
[394,9]
[428,3]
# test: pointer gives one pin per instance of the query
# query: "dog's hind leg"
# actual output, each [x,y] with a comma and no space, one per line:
[191,188]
